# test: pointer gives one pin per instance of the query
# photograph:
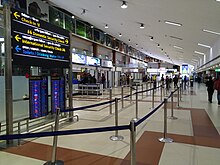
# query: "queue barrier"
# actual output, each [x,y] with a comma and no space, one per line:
[132,127]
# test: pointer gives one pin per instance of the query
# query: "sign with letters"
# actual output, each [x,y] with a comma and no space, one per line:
[36,42]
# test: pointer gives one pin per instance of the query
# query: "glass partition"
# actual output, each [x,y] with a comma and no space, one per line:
[56,17]
[80,28]
[69,23]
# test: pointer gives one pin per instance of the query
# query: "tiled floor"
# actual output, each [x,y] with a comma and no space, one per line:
[195,134]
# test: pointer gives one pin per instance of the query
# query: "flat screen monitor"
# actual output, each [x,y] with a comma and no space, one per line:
[93,61]
[78,58]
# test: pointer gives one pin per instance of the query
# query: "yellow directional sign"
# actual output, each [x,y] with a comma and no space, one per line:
[16,15]
[17,38]
[67,41]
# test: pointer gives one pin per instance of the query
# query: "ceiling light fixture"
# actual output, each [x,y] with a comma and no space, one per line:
[73,16]
[105,33]
[142,26]
[56,19]
[158,45]
[206,46]
[136,45]
[151,38]
[173,23]
[92,26]
[177,47]
[106,26]
[120,35]
[210,31]
[124,5]
[129,40]
[199,53]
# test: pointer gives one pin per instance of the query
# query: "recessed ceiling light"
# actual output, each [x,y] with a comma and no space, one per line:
[92,26]
[151,38]
[142,26]
[210,31]
[105,33]
[173,23]
[136,45]
[199,53]
[177,47]
[207,46]
[218,0]
[158,45]
[73,16]
[120,35]
[106,26]
[124,5]
[129,40]
[56,19]
[161,50]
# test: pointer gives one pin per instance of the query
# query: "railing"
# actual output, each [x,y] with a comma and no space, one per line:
[131,126]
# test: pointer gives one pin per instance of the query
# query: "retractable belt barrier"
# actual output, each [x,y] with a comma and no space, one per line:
[82,131]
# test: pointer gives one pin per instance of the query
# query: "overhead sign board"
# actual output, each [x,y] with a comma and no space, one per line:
[36,42]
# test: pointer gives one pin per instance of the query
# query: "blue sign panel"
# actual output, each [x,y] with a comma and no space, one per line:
[57,93]
[38,91]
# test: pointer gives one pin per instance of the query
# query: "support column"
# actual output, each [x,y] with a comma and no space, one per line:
[8,71]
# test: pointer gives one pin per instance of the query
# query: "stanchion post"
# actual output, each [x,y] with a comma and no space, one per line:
[122,95]
[110,99]
[172,116]
[178,97]
[136,102]
[116,137]
[130,94]
[133,142]
[142,88]
[19,132]
[161,92]
[55,139]
[153,98]
[27,125]
[164,89]
[180,92]
[165,139]
[146,88]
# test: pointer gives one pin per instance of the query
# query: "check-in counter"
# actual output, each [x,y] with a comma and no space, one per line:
[90,89]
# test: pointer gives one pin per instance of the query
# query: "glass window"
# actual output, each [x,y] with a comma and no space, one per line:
[56,17]
[99,36]
[80,28]
[69,23]
[89,32]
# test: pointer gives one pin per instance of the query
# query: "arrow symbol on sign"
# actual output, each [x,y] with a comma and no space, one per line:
[17,38]
[67,41]
[17,48]
[16,15]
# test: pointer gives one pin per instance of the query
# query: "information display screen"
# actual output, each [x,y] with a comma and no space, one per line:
[93,61]
[185,69]
[36,42]
[78,58]
[106,63]
[57,93]
[38,102]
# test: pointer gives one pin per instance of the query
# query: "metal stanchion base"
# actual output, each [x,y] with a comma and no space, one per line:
[117,138]
[135,119]
[172,117]
[165,140]
[57,162]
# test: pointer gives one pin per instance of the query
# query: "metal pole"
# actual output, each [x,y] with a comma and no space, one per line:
[110,97]
[122,95]
[71,113]
[142,88]
[55,139]
[164,138]
[153,98]
[27,125]
[116,137]
[19,132]
[164,90]
[172,116]
[161,92]
[146,88]
[178,97]
[8,71]
[130,94]
[133,142]
[180,92]
[136,101]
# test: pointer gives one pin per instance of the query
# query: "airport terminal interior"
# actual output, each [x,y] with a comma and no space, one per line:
[109,82]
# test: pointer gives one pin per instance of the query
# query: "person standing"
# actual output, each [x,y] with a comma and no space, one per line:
[210,88]
[175,81]
[217,87]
